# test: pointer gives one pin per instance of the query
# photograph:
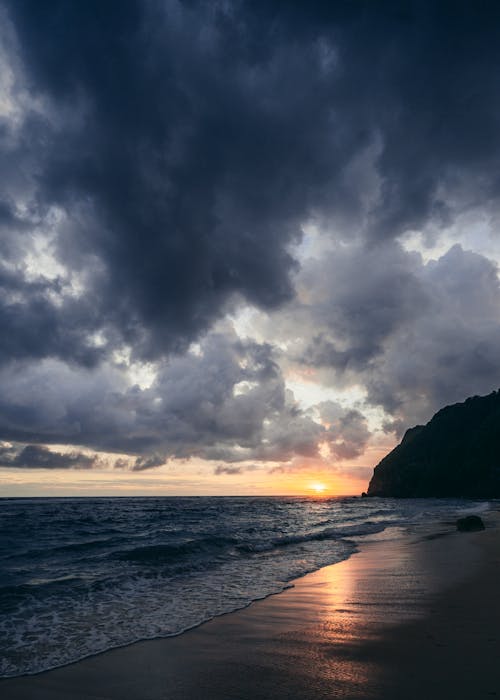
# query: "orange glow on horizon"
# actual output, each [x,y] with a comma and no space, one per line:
[318,487]
[193,478]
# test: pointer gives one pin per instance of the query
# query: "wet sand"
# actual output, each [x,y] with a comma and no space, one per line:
[406,617]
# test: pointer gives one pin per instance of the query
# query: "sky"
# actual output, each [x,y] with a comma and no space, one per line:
[243,245]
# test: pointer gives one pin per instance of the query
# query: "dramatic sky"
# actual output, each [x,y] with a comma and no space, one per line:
[243,245]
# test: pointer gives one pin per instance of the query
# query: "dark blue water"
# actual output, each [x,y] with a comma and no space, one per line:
[79,576]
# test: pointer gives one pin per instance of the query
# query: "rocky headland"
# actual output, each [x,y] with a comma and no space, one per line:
[456,454]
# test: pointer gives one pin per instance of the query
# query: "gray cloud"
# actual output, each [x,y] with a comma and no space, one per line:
[40,457]
[348,432]
[360,297]
[231,471]
[166,156]
[184,145]
[451,351]
[33,326]
[226,402]
[415,335]
[147,462]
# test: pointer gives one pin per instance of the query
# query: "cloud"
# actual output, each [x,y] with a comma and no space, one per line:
[359,296]
[159,164]
[142,463]
[451,351]
[40,457]
[414,335]
[231,471]
[347,433]
[226,402]
[175,150]
[34,327]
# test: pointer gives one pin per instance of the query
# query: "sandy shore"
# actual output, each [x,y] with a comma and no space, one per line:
[406,617]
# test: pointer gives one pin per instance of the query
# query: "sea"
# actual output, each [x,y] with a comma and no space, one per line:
[79,576]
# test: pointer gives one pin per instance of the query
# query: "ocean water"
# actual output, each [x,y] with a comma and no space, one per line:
[79,576]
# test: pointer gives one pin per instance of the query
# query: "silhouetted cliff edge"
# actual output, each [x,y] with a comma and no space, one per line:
[456,454]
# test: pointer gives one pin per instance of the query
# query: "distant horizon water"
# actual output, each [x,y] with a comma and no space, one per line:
[306,495]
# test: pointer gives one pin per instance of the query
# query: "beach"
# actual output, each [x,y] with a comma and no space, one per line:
[409,615]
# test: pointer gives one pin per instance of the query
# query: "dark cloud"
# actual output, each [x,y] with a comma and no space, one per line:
[40,457]
[159,161]
[167,171]
[142,463]
[33,326]
[184,144]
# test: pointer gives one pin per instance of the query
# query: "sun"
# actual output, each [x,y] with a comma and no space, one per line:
[318,487]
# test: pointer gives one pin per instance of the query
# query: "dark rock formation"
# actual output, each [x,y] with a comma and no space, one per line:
[471,523]
[456,454]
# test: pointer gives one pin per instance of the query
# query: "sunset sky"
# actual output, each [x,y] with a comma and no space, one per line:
[243,245]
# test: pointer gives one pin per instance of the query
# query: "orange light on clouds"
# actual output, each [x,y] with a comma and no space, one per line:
[313,477]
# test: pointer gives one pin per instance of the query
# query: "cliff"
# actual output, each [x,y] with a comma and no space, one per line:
[457,453]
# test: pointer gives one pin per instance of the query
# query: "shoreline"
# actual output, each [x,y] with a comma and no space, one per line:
[331,635]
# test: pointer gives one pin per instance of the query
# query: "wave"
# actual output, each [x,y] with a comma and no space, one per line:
[337,533]
[164,553]
[73,547]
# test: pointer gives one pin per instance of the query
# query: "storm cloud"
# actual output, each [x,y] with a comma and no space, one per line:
[184,145]
[162,167]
